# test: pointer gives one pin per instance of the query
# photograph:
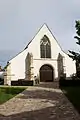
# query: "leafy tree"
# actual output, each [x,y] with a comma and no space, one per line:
[76,55]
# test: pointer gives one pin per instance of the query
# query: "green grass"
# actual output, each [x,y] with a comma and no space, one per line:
[7,93]
[73,94]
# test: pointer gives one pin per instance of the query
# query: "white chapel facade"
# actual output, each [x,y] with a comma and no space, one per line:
[42,59]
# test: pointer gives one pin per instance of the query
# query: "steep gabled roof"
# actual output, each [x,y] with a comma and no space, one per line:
[42,27]
[36,34]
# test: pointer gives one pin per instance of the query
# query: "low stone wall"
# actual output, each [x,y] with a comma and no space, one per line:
[22,83]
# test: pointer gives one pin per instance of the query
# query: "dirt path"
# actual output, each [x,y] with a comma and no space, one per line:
[42,102]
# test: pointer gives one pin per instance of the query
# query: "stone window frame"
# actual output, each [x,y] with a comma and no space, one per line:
[45,47]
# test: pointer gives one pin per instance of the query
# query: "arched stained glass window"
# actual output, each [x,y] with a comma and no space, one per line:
[45,47]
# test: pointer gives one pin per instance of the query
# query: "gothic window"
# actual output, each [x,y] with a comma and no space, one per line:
[45,47]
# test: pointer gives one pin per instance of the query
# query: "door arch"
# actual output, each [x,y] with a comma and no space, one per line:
[46,73]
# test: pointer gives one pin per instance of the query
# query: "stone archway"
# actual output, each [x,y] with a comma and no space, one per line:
[46,73]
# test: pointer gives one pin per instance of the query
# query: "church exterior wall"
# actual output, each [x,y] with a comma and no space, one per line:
[18,66]
[18,63]
[34,46]
[38,63]
[69,66]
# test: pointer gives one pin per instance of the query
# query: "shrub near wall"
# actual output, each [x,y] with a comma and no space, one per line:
[66,83]
[1,81]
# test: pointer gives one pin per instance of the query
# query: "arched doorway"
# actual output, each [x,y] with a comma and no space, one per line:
[46,73]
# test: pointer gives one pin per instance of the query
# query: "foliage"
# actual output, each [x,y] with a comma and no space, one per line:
[76,55]
[1,81]
[6,66]
[72,94]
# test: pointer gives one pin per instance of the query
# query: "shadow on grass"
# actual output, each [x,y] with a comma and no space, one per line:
[73,95]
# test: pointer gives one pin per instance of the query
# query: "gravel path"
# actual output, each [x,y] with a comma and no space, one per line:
[42,102]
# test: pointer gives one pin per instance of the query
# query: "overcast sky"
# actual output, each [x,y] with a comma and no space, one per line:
[21,19]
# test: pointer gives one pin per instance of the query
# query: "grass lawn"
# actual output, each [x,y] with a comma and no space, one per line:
[73,94]
[7,93]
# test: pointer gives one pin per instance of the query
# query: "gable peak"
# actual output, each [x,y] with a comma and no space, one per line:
[44,25]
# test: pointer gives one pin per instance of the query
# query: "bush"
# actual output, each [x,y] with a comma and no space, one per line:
[1,81]
[69,82]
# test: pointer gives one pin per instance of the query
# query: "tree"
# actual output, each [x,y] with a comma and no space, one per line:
[76,55]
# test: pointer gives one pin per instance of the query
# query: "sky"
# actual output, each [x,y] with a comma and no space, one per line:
[21,19]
